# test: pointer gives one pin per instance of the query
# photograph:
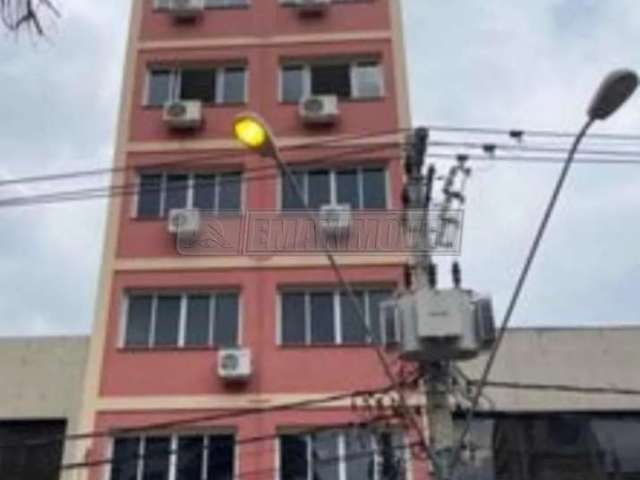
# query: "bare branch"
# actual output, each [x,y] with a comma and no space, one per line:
[18,15]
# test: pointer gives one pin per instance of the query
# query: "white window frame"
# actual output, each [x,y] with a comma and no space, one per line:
[182,320]
[306,67]
[333,182]
[173,453]
[175,82]
[337,315]
[191,176]
[342,453]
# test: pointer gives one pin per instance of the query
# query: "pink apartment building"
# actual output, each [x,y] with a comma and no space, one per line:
[162,317]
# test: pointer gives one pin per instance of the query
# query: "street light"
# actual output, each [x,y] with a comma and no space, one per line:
[614,90]
[252,131]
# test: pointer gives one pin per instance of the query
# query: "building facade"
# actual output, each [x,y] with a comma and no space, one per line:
[40,399]
[565,404]
[164,314]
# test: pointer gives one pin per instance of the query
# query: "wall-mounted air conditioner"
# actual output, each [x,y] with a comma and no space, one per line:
[186,9]
[184,221]
[334,219]
[319,110]
[234,365]
[183,114]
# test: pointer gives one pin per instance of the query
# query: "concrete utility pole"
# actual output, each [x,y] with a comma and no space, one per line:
[417,197]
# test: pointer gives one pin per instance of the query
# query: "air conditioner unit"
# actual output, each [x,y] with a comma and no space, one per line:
[234,364]
[311,7]
[335,219]
[184,221]
[319,110]
[183,115]
[186,9]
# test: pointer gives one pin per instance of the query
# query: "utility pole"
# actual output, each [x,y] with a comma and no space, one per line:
[417,195]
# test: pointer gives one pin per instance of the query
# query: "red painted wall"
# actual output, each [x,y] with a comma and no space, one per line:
[278,369]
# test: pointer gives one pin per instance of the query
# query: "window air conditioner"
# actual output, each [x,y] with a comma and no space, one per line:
[311,7]
[319,110]
[335,219]
[184,221]
[183,115]
[186,9]
[234,364]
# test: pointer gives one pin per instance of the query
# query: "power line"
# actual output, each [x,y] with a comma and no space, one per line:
[258,439]
[266,471]
[493,147]
[521,133]
[182,159]
[533,159]
[194,420]
[357,307]
[518,289]
[127,189]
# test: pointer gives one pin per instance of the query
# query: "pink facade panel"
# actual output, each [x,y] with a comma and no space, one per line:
[263,92]
[263,18]
[302,369]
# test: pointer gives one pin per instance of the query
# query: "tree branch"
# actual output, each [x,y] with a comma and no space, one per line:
[18,15]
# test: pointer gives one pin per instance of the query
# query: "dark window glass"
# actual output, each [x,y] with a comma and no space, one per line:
[221,457]
[292,84]
[319,192]
[138,321]
[176,194]
[293,457]
[198,84]
[322,318]
[392,461]
[204,192]
[226,320]
[149,195]
[353,330]
[125,459]
[347,186]
[167,321]
[374,188]
[159,87]
[331,80]
[324,451]
[293,318]
[360,458]
[198,320]
[234,85]
[290,199]
[156,458]
[230,188]
[381,328]
[190,456]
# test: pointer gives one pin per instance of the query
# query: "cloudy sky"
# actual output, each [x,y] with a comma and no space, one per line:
[495,63]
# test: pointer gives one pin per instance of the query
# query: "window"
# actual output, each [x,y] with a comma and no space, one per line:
[164,4]
[201,457]
[211,85]
[182,320]
[159,193]
[360,187]
[346,79]
[21,458]
[330,317]
[343,455]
